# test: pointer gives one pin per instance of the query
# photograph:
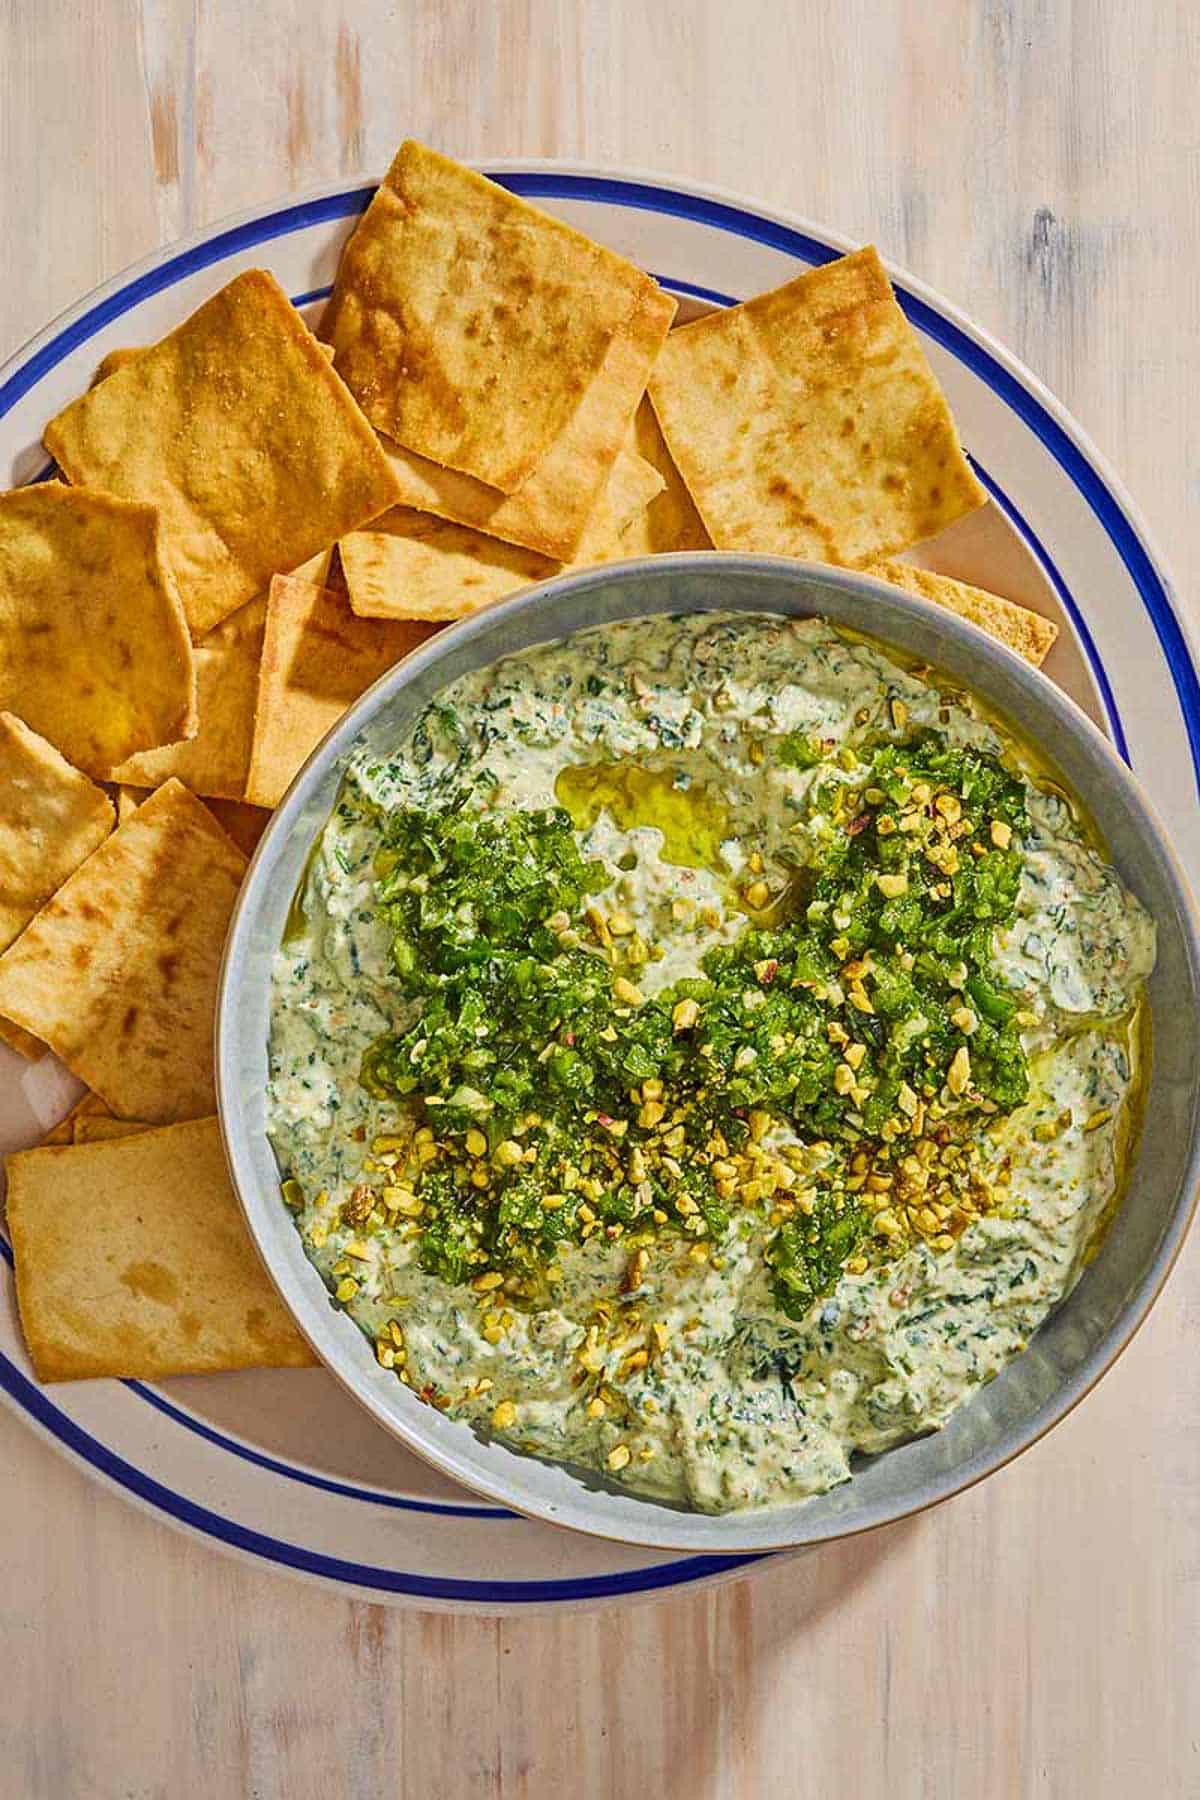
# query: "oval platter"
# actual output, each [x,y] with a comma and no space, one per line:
[280,1466]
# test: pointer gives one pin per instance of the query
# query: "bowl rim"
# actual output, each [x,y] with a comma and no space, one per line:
[992,657]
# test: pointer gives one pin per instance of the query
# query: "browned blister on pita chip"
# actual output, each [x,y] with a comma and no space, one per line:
[807,422]
[238,429]
[132,1259]
[216,760]
[118,972]
[470,324]
[1024,631]
[94,649]
[318,657]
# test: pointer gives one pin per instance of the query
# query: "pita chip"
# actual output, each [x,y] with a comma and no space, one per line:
[318,657]
[237,428]
[550,510]
[51,818]
[132,1259]
[807,422]
[94,649]
[669,520]
[118,971]
[1026,632]
[216,760]
[470,324]
[411,565]
[244,824]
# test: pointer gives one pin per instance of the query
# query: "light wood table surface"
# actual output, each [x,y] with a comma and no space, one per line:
[1040,164]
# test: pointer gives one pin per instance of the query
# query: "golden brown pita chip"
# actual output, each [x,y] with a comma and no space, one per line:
[87,1106]
[470,324]
[244,824]
[128,801]
[237,428]
[215,761]
[630,490]
[51,817]
[411,565]
[318,657]
[1026,632]
[94,650]
[549,512]
[118,972]
[670,520]
[807,422]
[101,1126]
[23,1042]
[132,1259]
[116,359]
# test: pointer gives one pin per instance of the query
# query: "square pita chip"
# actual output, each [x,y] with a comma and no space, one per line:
[94,648]
[808,423]
[118,971]
[237,428]
[132,1259]
[318,657]
[470,324]
[551,509]
[412,565]
[1024,631]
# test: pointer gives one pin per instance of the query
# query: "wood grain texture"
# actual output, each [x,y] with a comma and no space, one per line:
[1041,164]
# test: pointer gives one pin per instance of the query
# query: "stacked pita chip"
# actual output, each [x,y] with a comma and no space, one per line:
[253,525]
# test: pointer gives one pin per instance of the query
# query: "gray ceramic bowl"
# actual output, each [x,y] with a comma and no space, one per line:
[1079,1341]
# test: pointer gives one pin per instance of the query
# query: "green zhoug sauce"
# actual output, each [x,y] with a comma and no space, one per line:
[702,1051]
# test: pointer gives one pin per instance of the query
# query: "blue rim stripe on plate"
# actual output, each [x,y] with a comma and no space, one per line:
[646,197]
[308,1477]
[81,1443]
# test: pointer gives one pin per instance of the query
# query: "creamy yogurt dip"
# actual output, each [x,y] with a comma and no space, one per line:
[703,1050]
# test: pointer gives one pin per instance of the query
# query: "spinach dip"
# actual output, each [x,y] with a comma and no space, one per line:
[703,1050]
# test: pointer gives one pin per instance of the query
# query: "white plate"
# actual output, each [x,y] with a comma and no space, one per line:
[280,1465]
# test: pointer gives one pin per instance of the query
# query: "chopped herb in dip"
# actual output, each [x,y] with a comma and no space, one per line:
[703,1050]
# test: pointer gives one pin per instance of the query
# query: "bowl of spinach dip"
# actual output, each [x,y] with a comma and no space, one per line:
[706,1048]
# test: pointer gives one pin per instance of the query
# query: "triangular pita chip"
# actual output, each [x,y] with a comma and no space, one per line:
[1026,632]
[237,428]
[94,649]
[470,324]
[118,972]
[807,422]
[132,1259]
[318,657]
